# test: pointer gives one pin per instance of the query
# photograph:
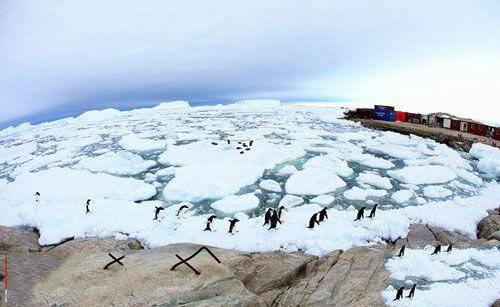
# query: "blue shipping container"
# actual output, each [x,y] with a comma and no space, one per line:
[384,115]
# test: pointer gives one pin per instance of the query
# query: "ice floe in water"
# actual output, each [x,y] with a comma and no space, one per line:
[303,158]
[464,277]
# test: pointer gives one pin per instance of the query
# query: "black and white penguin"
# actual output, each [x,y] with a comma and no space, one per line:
[247,149]
[157,211]
[437,250]
[399,294]
[450,248]
[232,223]
[323,215]
[274,219]
[361,214]
[313,220]
[242,152]
[208,226]
[37,197]
[280,211]
[251,143]
[372,213]
[239,148]
[180,209]
[412,291]
[214,143]
[229,141]
[211,218]
[87,206]
[267,216]
[402,251]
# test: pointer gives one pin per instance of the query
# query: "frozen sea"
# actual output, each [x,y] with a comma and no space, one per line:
[302,157]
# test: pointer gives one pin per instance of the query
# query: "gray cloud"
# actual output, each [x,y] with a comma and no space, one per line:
[58,55]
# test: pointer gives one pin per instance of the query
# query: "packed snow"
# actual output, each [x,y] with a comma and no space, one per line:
[235,161]
[463,277]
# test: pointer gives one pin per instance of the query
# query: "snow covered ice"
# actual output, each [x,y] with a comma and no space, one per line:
[464,277]
[301,157]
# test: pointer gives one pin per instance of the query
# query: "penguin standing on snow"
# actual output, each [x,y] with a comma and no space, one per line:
[229,141]
[37,197]
[209,222]
[214,143]
[313,220]
[280,211]
[399,294]
[412,291]
[361,214]
[157,211]
[232,223]
[450,247]
[251,143]
[180,209]
[267,216]
[437,250]
[323,215]
[372,213]
[402,251]
[87,206]
[274,220]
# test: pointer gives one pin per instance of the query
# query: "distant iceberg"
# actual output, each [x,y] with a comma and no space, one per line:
[172,105]
[98,115]
[267,103]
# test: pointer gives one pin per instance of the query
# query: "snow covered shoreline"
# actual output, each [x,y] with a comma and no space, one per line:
[129,162]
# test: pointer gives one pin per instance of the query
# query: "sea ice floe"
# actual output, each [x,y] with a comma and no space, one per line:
[438,191]
[402,196]
[235,203]
[287,170]
[356,193]
[134,143]
[374,180]
[323,199]
[427,174]
[116,163]
[270,185]
[313,181]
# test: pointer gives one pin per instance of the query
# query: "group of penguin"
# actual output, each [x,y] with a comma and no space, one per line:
[437,250]
[242,146]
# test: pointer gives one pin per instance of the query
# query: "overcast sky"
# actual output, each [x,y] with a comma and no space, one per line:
[65,57]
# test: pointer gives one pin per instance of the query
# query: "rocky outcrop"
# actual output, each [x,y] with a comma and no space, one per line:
[94,245]
[18,240]
[489,227]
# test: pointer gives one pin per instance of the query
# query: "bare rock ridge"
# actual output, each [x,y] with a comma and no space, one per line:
[72,273]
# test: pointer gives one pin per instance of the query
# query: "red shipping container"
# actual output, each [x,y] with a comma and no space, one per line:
[477,129]
[455,125]
[400,116]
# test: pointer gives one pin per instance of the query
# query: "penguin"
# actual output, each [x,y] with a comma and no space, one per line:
[37,197]
[208,226]
[274,220]
[247,149]
[313,220]
[214,143]
[280,211]
[437,250]
[251,143]
[450,247]
[399,294]
[229,141]
[232,223]
[402,251]
[412,291]
[239,142]
[180,209]
[87,206]
[361,214]
[372,213]
[267,216]
[244,145]
[157,211]
[238,147]
[211,218]
[323,215]
[241,152]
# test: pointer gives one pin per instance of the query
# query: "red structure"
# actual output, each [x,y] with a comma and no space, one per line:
[400,116]
[496,134]
[477,129]
[413,117]
[455,125]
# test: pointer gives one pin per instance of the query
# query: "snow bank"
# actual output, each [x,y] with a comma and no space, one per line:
[236,203]
[119,163]
[313,181]
[427,174]
[134,143]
